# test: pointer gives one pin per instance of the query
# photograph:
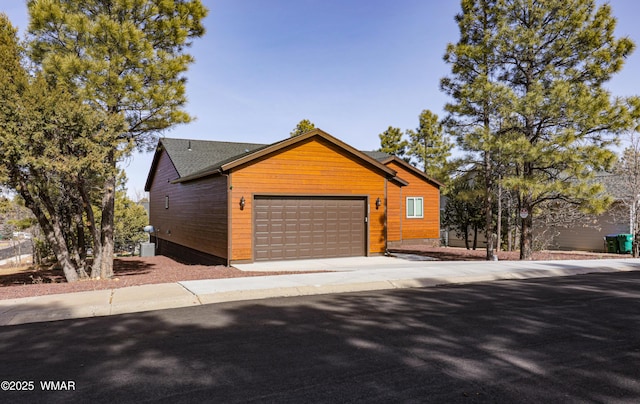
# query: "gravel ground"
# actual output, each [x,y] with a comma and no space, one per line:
[128,272]
[149,270]
[462,254]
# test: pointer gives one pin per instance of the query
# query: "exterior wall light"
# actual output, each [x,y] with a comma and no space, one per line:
[242,203]
[378,203]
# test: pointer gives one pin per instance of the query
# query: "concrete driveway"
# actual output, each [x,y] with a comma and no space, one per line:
[329,264]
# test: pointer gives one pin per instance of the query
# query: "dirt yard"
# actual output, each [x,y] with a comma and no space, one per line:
[29,281]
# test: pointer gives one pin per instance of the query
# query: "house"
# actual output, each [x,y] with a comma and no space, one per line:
[310,196]
[576,232]
[588,234]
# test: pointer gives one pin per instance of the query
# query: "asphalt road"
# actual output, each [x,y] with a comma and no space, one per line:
[572,339]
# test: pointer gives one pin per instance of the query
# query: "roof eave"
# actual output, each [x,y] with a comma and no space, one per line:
[198,175]
[154,166]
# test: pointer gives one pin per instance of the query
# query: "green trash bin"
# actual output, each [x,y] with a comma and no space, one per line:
[625,243]
[612,243]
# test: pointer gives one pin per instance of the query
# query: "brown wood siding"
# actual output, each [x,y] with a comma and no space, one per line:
[197,213]
[394,210]
[415,228]
[313,167]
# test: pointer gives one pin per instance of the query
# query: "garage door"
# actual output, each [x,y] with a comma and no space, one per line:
[299,228]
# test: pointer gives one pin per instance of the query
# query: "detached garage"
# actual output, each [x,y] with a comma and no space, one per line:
[311,196]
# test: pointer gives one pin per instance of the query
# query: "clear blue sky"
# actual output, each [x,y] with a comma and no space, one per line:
[351,67]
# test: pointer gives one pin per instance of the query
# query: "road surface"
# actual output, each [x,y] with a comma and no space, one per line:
[572,339]
[10,252]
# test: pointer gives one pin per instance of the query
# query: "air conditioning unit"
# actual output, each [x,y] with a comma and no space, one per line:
[147,249]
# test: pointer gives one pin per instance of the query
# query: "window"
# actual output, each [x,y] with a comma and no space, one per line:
[414,207]
[166,202]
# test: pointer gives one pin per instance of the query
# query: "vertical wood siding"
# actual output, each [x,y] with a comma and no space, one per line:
[197,213]
[314,167]
[427,227]
[394,210]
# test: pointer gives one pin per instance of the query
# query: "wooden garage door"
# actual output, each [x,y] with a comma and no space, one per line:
[303,227]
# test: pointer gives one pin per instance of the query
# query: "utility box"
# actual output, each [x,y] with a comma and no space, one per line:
[147,249]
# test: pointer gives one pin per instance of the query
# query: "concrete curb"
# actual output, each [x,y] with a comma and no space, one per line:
[55,307]
[151,297]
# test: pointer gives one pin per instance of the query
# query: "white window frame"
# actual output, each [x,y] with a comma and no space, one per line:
[415,199]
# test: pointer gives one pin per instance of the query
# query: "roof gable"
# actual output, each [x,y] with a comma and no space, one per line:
[191,156]
[411,168]
[247,157]
[195,159]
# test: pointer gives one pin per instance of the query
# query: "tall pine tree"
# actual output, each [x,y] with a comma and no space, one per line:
[429,146]
[302,127]
[527,83]
[125,58]
[478,96]
[52,146]
[391,142]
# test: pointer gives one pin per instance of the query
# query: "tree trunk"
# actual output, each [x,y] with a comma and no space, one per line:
[509,230]
[475,237]
[525,204]
[488,205]
[54,236]
[78,249]
[499,219]
[526,237]
[107,225]
[466,237]
[58,243]
[93,229]
[53,233]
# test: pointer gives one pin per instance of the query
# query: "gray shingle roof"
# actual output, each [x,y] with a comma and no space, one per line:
[192,156]
[377,155]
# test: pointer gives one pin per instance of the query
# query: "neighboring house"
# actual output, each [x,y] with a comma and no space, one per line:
[585,234]
[309,196]
[589,234]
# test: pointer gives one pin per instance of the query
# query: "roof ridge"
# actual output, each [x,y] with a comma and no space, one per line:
[209,141]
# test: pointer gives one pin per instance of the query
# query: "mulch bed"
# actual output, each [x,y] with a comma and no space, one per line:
[462,254]
[149,270]
[132,271]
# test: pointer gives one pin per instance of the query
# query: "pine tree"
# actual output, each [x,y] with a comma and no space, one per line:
[52,143]
[464,208]
[627,178]
[391,142]
[429,146]
[477,95]
[527,83]
[126,59]
[302,127]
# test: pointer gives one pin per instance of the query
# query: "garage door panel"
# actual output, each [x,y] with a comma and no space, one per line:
[296,228]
